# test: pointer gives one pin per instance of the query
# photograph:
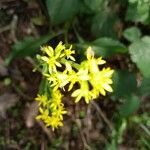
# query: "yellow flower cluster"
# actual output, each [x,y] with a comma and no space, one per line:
[51,110]
[59,69]
[55,58]
[89,74]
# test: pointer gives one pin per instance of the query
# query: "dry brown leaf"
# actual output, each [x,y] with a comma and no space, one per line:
[3,69]
[30,114]
[7,100]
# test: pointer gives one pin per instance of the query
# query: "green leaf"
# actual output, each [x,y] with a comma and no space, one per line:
[144,89]
[61,11]
[103,24]
[140,54]
[132,103]
[105,47]
[138,13]
[124,83]
[29,46]
[133,1]
[94,5]
[132,34]
[39,20]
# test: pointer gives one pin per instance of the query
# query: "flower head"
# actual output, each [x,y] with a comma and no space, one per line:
[54,122]
[89,74]
[59,112]
[69,52]
[101,81]
[51,112]
[56,100]
[50,58]
[59,69]
[82,92]
[42,99]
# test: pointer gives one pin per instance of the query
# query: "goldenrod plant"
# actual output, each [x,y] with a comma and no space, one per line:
[59,68]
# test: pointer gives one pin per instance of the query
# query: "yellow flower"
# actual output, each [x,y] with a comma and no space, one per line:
[69,52]
[59,50]
[106,74]
[72,78]
[53,122]
[52,57]
[89,53]
[90,78]
[83,75]
[56,100]
[44,114]
[42,99]
[101,82]
[59,112]
[89,73]
[90,56]
[48,50]
[68,67]
[51,60]
[52,113]
[57,79]
[92,62]
[82,92]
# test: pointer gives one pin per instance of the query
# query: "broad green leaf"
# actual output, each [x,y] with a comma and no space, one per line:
[61,11]
[105,47]
[94,5]
[132,1]
[146,39]
[27,47]
[140,54]
[124,83]
[132,103]
[144,89]
[103,24]
[132,34]
[137,13]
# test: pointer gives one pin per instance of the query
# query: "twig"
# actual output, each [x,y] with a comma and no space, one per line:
[3,29]
[14,146]
[145,129]
[82,136]
[84,141]
[12,27]
[46,130]
[89,122]
[102,115]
